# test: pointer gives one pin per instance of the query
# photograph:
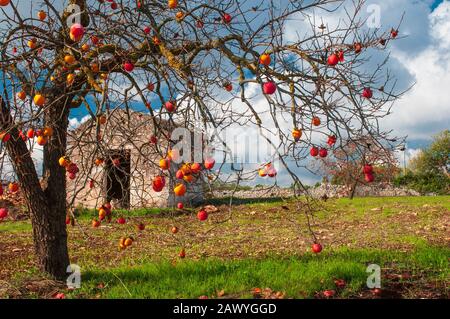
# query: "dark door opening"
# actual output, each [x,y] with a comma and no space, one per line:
[118,178]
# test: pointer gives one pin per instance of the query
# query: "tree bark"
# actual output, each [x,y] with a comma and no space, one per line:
[353,189]
[46,203]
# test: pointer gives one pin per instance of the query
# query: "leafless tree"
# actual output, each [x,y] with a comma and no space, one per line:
[200,56]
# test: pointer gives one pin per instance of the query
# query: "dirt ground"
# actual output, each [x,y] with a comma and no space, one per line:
[244,231]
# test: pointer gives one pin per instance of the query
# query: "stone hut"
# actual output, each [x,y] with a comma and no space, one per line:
[117,163]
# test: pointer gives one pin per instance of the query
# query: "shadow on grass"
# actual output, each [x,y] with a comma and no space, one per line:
[297,276]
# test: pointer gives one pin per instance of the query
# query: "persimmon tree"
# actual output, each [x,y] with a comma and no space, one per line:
[349,164]
[188,62]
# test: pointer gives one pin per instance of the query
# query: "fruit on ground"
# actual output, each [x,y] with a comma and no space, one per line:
[179,190]
[95,223]
[329,293]
[269,87]
[180,206]
[102,213]
[202,215]
[182,253]
[121,221]
[377,292]
[340,283]
[141,226]
[122,243]
[316,248]
[174,230]
[128,242]
[265,59]
[314,151]
[3,212]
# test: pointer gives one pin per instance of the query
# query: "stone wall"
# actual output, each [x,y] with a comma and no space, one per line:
[331,191]
[130,133]
[374,190]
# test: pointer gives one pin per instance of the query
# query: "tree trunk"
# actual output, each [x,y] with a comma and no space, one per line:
[46,203]
[353,189]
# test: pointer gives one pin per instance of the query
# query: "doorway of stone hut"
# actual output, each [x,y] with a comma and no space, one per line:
[117,183]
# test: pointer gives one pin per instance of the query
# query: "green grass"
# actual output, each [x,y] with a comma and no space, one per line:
[85,213]
[15,227]
[362,203]
[298,277]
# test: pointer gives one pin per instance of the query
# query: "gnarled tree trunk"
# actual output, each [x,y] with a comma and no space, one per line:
[46,203]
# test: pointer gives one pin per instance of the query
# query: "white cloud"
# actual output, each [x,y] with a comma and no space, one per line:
[74,123]
[424,111]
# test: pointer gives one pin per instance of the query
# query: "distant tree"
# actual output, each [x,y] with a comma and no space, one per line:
[345,166]
[435,158]
[428,171]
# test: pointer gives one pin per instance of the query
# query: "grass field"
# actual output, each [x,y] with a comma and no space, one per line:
[255,244]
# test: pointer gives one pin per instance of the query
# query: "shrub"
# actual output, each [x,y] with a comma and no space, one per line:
[429,182]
